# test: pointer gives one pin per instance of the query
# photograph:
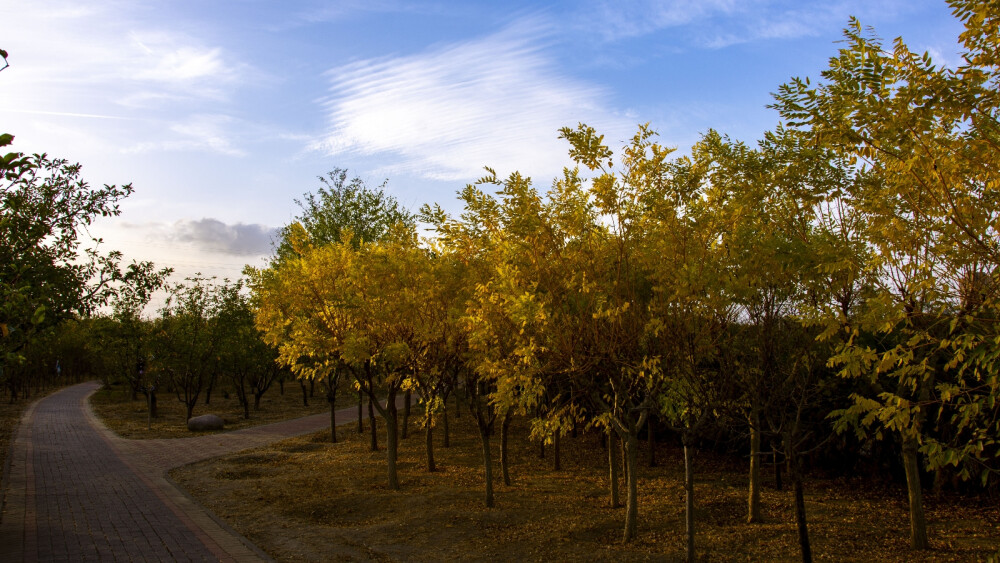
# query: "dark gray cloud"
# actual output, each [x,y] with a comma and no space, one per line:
[214,235]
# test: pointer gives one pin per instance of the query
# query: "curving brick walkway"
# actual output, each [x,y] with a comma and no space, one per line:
[77,492]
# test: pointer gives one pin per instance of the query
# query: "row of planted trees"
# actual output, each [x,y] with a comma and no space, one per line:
[202,339]
[841,274]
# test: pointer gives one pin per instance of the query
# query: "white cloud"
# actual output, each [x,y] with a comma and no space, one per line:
[110,58]
[629,18]
[445,113]
[211,133]
[719,23]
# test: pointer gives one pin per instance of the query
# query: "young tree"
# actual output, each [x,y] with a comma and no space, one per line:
[188,337]
[245,359]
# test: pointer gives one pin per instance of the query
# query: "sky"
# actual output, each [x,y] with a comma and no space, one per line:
[222,113]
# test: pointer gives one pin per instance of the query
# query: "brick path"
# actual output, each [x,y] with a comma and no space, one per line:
[77,492]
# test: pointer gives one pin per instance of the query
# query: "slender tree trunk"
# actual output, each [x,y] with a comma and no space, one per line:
[777,468]
[458,404]
[632,498]
[623,444]
[256,399]
[541,450]
[429,428]
[281,385]
[305,393]
[753,509]
[795,475]
[406,415]
[444,419]
[392,441]
[245,403]
[361,418]
[189,405]
[651,440]
[487,464]
[331,397]
[374,430]
[312,388]
[613,470]
[689,502]
[556,462]
[800,520]
[918,525]
[152,404]
[504,457]
[208,392]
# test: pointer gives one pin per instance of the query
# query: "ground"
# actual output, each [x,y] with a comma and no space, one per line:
[128,418]
[306,499]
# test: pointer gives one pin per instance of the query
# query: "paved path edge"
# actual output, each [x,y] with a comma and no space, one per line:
[13,489]
[217,536]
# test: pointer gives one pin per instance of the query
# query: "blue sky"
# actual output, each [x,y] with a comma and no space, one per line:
[222,112]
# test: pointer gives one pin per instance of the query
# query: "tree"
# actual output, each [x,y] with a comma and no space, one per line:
[189,335]
[46,275]
[929,135]
[321,304]
[246,360]
[341,207]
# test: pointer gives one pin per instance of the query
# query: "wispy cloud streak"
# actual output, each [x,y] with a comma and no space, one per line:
[447,112]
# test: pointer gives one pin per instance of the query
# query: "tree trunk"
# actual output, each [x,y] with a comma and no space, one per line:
[312,388]
[458,404]
[444,419]
[430,444]
[689,502]
[361,418]
[487,465]
[504,457]
[613,470]
[556,465]
[800,503]
[622,445]
[374,430]
[331,397]
[256,400]
[777,468]
[632,497]
[392,442]
[918,525]
[189,405]
[541,450]
[753,512]
[208,392]
[152,404]
[305,393]
[651,441]
[406,415]
[281,385]
[245,403]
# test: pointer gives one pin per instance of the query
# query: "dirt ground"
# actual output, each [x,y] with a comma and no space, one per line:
[128,418]
[305,499]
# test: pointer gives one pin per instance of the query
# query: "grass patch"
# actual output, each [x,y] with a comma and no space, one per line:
[305,500]
[127,418]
